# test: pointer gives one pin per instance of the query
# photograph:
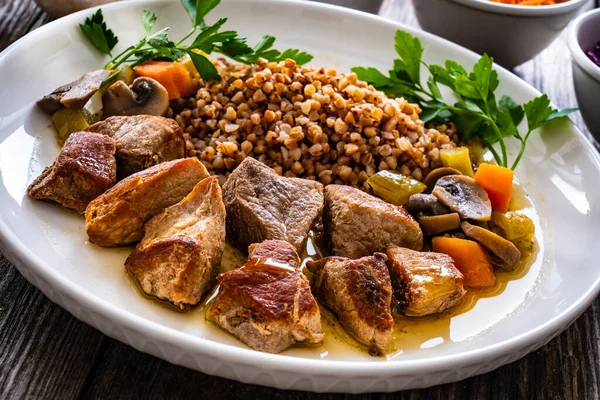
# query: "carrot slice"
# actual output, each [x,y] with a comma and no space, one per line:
[471,258]
[498,183]
[174,76]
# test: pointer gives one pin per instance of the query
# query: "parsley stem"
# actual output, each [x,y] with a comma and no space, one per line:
[502,145]
[186,36]
[521,151]
[119,55]
[494,153]
[491,121]
[117,62]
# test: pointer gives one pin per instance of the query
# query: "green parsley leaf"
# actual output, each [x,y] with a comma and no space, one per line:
[516,111]
[560,113]
[537,110]
[483,76]
[148,20]
[205,68]
[372,76]
[235,48]
[190,8]
[434,89]
[410,51]
[300,57]
[210,35]
[203,7]
[467,122]
[441,75]
[198,9]
[160,39]
[96,31]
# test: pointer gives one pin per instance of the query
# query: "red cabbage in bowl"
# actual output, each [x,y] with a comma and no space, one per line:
[594,54]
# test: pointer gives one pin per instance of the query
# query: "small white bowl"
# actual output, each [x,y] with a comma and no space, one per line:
[512,34]
[584,33]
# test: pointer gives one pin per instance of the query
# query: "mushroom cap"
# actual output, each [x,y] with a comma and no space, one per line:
[432,225]
[505,253]
[145,96]
[463,195]
[432,177]
[73,95]
[425,203]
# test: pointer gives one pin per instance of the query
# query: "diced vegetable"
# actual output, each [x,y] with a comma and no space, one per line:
[457,158]
[395,188]
[189,65]
[432,225]
[126,74]
[67,121]
[174,76]
[471,258]
[498,183]
[512,225]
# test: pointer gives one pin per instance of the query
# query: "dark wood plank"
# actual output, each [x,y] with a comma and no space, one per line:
[44,351]
[120,366]
[47,353]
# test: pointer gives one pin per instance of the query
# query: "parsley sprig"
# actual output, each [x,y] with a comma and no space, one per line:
[477,112]
[209,39]
[96,31]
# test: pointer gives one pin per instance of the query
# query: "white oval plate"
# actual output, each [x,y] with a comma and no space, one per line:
[48,245]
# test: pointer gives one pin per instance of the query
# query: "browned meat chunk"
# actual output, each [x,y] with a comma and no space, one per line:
[358,224]
[142,141]
[359,292]
[84,169]
[267,302]
[262,205]
[116,217]
[424,282]
[178,258]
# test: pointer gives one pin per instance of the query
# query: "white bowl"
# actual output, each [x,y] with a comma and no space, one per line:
[512,34]
[560,170]
[584,33]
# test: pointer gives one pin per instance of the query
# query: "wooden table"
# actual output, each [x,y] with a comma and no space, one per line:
[47,353]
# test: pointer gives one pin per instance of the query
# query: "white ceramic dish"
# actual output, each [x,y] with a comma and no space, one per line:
[584,33]
[512,34]
[48,245]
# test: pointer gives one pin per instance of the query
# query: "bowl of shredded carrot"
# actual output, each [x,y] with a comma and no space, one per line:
[511,31]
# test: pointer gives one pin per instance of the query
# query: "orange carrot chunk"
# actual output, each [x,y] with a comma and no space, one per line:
[471,258]
[498,183]
[174,76]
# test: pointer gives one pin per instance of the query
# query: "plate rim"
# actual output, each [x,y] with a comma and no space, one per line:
[20,255]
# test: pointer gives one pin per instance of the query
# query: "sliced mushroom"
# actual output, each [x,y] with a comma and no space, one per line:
[432,225]
[504,254]
[432,177]
[145,96]
[465,196]
[425,203]
[73,95]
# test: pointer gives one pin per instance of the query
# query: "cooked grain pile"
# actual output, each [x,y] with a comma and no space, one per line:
[307,122]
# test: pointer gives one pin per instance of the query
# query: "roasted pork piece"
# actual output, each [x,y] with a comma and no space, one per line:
[262,205]
[142,141]
[178,258]
[116,217]
[84,169]
[358,224]
[424,282]
[359,293]
[267,303]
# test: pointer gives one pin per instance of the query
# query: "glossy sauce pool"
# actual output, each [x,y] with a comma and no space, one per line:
[412,335]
